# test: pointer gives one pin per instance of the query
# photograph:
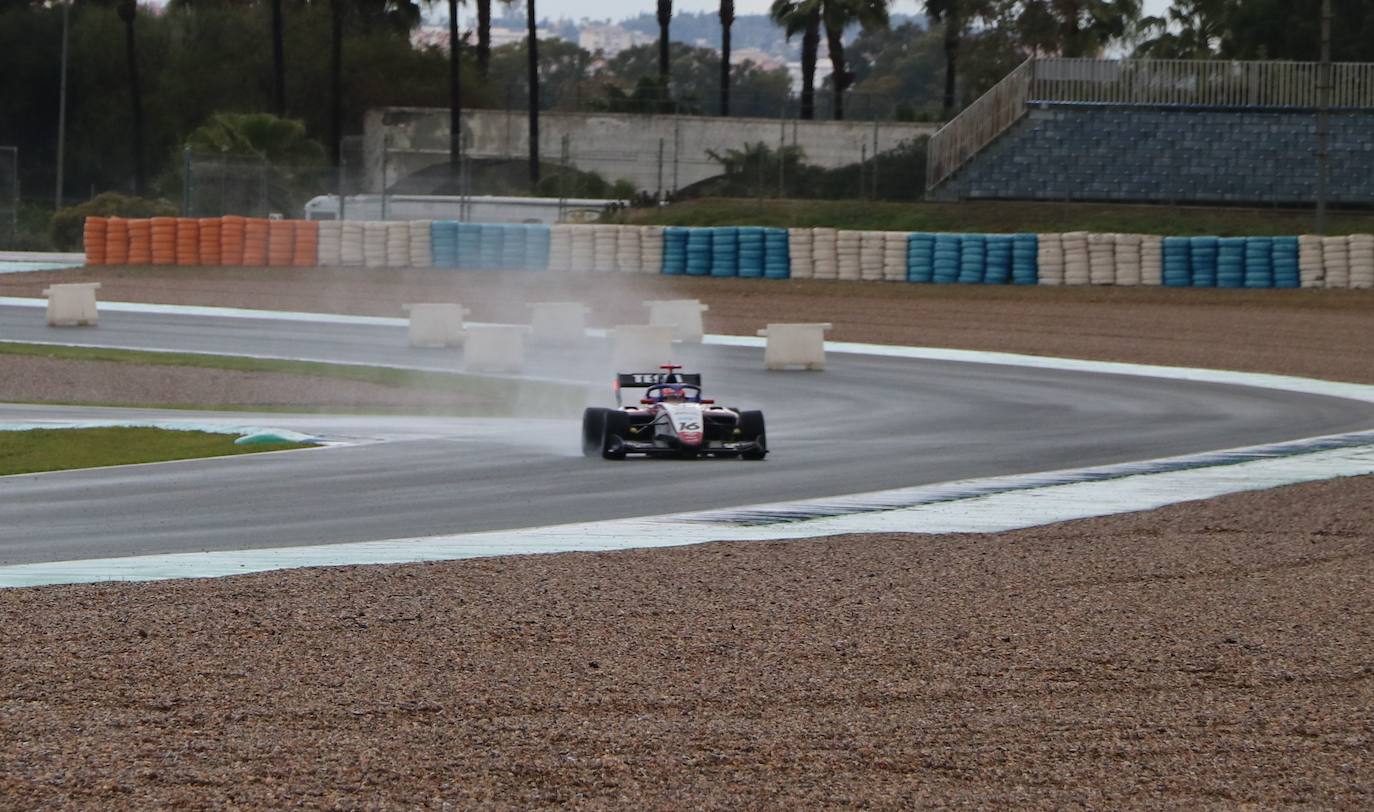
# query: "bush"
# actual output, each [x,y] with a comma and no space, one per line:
[67,225]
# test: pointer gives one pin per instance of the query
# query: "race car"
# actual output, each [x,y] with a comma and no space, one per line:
[671,419]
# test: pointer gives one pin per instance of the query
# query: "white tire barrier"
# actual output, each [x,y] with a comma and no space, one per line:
[398,245]
[558,322]
[421,248]
[799,253]
[560,247]
[1049,259]
[72,304]
[351,244]
[651,249]
[824,258]
[1127,250]
[583,249]
[330,250]
[1361,247]
[894,256]
[872,250]
[641,347]
[495,348]
[603,247]
[1102,259]
[1311,271]
[1077,270]
[436,324]
[792,345]
[374,244]
[1336,261]
[1151,259]
[683,315]
[848,259]
[628,249]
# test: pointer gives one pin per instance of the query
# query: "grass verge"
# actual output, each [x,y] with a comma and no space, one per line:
[1000,217]
[27,452]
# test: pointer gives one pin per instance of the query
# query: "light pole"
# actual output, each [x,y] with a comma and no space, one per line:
[62,104]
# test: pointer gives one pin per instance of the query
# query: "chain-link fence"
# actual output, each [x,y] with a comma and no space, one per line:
[9,195]
[215,185]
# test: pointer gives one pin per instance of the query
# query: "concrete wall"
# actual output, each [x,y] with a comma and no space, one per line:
[655,152]
[1065,152]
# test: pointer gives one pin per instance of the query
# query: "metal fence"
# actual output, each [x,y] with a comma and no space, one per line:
[9,195]
[215,185]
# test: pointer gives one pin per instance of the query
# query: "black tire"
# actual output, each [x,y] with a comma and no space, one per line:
[751,428]
[593,431]
[617,428]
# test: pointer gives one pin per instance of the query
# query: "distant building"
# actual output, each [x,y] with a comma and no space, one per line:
[609,39]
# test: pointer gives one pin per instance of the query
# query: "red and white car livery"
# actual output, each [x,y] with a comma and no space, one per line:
[671,419]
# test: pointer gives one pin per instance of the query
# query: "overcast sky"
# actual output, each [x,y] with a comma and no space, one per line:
[621,9]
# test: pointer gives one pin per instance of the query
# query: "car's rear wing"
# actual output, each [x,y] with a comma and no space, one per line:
[644,380]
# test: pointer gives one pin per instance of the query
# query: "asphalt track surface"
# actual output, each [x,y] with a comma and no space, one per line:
[864,424]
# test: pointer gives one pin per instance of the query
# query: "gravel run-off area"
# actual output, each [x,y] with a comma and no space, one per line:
[1208,654]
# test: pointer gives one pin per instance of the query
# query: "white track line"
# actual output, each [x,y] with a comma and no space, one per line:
[986,505]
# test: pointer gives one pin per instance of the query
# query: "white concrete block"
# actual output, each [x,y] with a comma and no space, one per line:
[72,304]
[436,324]
[792,345]
[683,315]
[558,322]
[641,347]
[495,347]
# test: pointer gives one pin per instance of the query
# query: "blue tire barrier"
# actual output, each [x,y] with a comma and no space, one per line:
[537,247]
[920,257]
[1230,262]
[469,245]
[1025,250]
[443,243]
[491,242]
[674,251]
[724,251]
[512,247]
[698,251]
[1176,253]
[973,250]
[1202,260]
[1259,262]
[1285,262]
[749,257]
[776,254]
[998,268]
[945,258]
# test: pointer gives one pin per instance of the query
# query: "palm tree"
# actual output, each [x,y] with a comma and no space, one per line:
[534,95]
[837,15]
[665,14]
[128,11]
[278,62]
[455,93]
[804,17]
[483,38]
[947,11]
[336,13]
[727,19]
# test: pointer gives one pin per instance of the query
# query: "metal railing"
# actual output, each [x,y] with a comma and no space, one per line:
[988,117]
[1162,82]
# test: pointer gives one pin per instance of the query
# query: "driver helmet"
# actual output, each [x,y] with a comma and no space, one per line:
[672,393]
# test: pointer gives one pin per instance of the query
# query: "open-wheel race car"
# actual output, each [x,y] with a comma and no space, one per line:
[671,419]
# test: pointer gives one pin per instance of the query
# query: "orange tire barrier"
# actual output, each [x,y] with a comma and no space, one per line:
[281,238]
[255,242]
[209,241]
[164,240]
[188,241]
[140,242]
[231,235]
[93,240]
[117,241]
[307,244]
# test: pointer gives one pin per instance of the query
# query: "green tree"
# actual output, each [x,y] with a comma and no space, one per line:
[727,19]
[696,78]
[1075,28]
[564,72]
[128,13]
[802,17]
[837,15]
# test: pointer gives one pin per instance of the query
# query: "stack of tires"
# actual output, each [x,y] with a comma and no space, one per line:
[698,252]
[560,247]
[777,254]
[603,247]
[419,233]
[281,243]
[119,244]
[491,243]
[1361,261]
[920,256]
[724,251]
[443,243]
[511,244]
[583,249]
[93,237]
[1336,261]
[305,241]
[1177,256]
[209,241]
[351,244]
[848,255]
[799,257]
[331,243]
[997,270]
[1151,260]
[164,240]
[627,249]
[397,245]
[824,253]
[945,258]
[1259,262]
[675,251]
[751,253]
[1230,263]
[537,248]
[973,259]
[1285,260]
[1102,259]
[1049,259]
[1203,254]
[188,242]
[374,244]
[1077,270]
[1311,270]
[256,235]
[894,256]
[1127,252]
[469,246]
[651,249]
[1024,249]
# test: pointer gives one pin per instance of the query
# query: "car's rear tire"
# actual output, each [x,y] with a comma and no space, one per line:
[617,427]
[593,431]
[751,428]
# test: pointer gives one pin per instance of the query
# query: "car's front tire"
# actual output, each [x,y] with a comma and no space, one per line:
[751,428]
[593,431]
[617,428]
